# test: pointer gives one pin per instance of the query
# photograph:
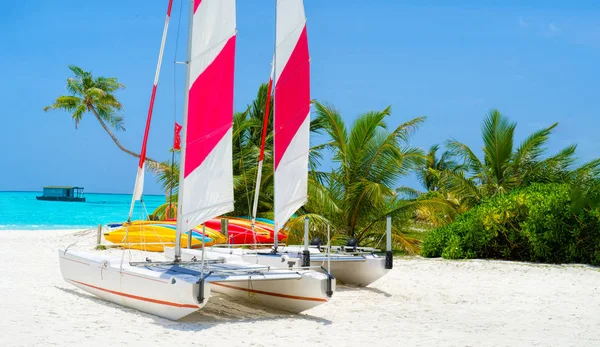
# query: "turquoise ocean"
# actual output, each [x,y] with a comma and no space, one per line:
[21,210]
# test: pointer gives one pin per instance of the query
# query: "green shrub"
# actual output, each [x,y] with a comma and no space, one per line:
[436,240]
[539,223]
[453,249]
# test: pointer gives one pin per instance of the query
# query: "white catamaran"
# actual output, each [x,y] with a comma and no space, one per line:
[175,288]
[291,77]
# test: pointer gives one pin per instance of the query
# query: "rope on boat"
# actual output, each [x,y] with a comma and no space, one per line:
[250,287]
[86,232]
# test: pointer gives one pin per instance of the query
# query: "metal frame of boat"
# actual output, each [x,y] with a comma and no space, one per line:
[354,269]
[312,286]
[359,266]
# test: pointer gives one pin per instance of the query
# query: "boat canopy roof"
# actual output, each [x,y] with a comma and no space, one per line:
[63,187]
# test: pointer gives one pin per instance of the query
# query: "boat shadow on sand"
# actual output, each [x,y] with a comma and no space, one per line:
[351,288]
[220,309]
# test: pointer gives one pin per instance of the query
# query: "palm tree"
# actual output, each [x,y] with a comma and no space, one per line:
[503,167]
[357,194]
[95,95]
[247,134]
[167,175]
[429,172]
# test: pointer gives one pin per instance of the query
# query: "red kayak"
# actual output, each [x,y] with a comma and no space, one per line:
[239,234]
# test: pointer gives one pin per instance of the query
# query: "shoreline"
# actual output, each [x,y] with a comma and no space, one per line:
[421,302]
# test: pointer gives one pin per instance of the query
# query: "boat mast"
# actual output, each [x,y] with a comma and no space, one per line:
[139,179]
[184,134]
[276,226]
[262,147]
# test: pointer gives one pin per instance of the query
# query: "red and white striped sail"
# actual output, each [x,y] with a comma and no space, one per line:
[206,185]
[292,110]
[139,179]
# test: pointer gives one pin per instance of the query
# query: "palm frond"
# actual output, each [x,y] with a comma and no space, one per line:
[408,192]
[498,135]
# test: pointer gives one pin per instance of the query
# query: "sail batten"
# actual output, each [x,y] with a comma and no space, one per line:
[292,110]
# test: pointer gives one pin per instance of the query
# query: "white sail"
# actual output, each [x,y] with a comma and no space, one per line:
[206,182]
[292,110]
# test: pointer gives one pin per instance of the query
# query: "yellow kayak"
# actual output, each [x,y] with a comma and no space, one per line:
[153,236]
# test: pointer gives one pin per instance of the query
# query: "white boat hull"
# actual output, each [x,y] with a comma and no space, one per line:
[359,270]
[355,272]
[272,288]
[289,295]
[153,291]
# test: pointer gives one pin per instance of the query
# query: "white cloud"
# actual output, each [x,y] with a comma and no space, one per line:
[553,29]
[523,23]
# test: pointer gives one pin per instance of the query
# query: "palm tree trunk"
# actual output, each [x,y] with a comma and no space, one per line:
[116,141]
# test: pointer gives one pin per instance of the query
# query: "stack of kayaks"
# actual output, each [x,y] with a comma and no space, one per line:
[240,230]
[154,235]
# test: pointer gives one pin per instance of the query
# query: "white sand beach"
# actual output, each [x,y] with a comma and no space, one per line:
[421,302]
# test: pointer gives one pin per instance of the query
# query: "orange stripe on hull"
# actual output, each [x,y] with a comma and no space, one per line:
[270,293]
[168,303]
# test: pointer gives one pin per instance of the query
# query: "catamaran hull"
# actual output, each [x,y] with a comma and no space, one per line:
[158,292]
[289,295]
[352,271]
[308,290]
[359,270]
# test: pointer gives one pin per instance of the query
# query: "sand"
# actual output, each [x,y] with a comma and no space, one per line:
[422,302]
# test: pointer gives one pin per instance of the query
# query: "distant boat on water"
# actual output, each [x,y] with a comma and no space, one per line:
[62,193]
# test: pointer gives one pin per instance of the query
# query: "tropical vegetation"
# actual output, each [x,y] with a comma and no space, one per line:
[357,194]
[513,202]
[354,198]
[543,222]
[519,203]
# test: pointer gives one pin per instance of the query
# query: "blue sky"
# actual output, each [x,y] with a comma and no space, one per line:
[535,61]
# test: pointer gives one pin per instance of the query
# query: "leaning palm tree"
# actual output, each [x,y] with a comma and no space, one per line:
[96,96]
[358,193]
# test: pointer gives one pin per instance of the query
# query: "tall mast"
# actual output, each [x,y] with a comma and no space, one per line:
[262,146]
[275,224]
[184,134]
[139,179]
